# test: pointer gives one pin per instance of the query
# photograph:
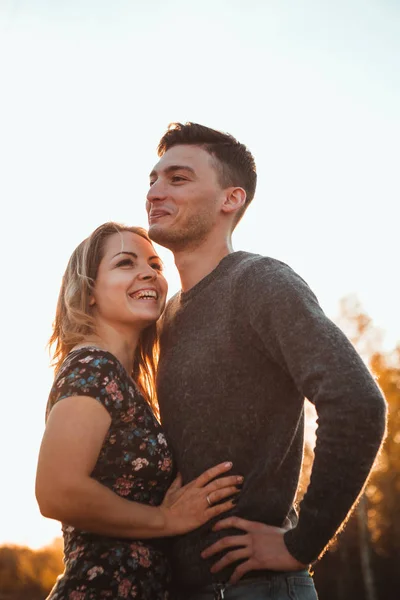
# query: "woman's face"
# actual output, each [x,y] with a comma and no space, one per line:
[130,288]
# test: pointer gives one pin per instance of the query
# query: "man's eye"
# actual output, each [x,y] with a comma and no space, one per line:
[126,262]
[177,178]
[152,182]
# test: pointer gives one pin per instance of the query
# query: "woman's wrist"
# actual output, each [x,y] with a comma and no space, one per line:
[164,521]
[151,522]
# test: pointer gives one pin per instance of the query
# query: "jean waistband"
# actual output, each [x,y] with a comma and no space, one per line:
[217,591]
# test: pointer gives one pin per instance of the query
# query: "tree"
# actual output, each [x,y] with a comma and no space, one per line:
[26,573]
[366,556]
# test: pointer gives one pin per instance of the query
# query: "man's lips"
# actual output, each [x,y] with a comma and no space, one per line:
[157,214]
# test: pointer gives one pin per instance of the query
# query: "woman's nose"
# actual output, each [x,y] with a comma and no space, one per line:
[147,274]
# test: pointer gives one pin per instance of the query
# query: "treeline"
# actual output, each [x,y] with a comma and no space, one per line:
[363,563]
[26,574]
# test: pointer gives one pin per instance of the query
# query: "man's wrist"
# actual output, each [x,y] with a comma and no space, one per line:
[291,548]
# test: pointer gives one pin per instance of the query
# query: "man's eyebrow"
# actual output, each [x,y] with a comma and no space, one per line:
[172,169]
[135,255]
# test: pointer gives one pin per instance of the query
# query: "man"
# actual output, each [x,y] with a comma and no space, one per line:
[242,345]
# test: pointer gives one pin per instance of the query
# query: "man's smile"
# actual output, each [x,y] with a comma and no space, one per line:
[157,213]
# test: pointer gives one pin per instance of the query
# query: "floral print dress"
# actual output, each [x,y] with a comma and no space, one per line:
[135,463]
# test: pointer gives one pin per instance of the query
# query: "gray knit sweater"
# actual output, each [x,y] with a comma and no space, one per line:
[239,352]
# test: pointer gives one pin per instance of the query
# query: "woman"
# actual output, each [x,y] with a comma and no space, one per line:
[105,469]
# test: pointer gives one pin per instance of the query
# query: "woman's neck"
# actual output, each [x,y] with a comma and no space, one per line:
[121,344]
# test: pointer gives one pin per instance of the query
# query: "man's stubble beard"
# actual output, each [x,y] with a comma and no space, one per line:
[189,237]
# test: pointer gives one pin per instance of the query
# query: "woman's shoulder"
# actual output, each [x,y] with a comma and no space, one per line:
[91,371]
[89,355]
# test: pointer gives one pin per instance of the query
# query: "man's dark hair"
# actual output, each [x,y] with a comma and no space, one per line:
[234,162]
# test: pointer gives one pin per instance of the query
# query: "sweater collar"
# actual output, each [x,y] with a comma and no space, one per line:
[223,266]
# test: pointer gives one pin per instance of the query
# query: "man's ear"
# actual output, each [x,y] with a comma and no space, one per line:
[234,200]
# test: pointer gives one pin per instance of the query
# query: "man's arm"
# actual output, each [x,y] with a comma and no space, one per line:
[328,371]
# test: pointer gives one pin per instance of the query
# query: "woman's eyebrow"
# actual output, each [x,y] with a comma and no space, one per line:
[135,255]
[125,252]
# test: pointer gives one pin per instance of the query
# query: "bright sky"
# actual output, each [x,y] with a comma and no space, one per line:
[87,89]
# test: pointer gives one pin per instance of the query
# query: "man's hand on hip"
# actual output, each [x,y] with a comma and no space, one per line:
[261,547]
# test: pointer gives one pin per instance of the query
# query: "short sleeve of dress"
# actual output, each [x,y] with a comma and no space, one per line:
[91,372]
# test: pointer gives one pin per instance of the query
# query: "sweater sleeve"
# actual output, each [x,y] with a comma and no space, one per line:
[326,369]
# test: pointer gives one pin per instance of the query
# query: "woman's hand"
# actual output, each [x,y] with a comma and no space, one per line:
[186,508]
[260,547]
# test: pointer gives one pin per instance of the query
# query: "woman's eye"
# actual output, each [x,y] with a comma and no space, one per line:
[127,262]
[157,266]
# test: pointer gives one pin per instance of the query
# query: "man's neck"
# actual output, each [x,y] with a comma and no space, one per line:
[195,264]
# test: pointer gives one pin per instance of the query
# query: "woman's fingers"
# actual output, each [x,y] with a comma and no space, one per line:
[212,473]
[215,497]
[176,484]
[218,509]
[233,541]
[222,482]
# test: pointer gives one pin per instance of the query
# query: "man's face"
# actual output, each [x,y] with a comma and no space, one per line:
[184,199]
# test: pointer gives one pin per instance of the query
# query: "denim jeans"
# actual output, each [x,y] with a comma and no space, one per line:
[293,585]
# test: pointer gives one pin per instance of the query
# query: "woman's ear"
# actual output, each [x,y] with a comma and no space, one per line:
[92,300]
[234,200]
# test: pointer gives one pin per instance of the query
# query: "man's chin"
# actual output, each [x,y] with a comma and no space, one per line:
[159,235]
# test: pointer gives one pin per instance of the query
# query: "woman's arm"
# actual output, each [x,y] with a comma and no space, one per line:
[65,490]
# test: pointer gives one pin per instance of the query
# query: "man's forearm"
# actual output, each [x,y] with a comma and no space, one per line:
[344,455]
[326,369]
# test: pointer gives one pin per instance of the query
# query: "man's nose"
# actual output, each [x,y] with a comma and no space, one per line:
[156,192]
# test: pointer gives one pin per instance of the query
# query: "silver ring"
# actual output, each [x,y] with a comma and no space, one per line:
[208,501]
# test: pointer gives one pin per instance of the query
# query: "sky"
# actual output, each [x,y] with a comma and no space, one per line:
[87,88]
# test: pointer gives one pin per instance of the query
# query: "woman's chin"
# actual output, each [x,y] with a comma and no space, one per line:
[145,318]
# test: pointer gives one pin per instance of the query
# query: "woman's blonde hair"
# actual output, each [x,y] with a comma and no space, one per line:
[74,322]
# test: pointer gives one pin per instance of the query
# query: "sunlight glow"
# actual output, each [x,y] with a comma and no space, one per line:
[89,87]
